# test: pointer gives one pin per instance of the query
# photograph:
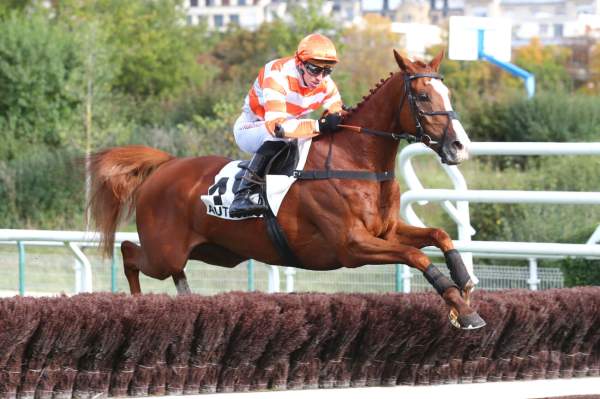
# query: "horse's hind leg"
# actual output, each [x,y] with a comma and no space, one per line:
[181,283]
[132,255]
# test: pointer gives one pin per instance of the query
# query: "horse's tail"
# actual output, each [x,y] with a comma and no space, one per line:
[115,175]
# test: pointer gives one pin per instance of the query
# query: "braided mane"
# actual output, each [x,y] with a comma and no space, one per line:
[372,91]
[378,85]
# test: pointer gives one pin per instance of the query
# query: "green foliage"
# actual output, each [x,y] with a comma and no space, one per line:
[42,189]
[7,6]
[548,64]
[366,58]
[155,53]
[546,117]
[204,135]
[241,53]
[578,272]
[540,223]
[38,66]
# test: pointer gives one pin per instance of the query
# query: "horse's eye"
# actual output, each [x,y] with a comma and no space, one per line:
[423,97]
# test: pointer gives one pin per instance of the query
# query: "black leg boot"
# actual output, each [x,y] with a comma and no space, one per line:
[242,205]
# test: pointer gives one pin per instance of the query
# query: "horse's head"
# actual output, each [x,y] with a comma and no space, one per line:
[427,101]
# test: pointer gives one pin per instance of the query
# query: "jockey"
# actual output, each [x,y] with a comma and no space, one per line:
[284,92]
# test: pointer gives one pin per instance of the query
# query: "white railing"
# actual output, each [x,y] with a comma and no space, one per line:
[75,241]
[462,195]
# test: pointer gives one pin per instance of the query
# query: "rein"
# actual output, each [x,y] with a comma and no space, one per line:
[395,136]
[421,135]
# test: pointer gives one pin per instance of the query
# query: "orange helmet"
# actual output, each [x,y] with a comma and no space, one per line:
[316,47]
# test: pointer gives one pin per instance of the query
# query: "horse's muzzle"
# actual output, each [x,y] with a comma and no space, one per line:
[454,152]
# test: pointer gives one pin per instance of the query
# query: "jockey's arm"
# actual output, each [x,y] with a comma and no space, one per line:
[277,119]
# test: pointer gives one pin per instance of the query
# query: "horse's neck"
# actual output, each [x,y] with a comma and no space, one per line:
[362,151]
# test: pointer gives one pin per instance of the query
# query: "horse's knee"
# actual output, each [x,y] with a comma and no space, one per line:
[442,238]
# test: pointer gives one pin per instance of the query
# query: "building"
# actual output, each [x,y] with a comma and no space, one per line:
[552,21]
[218,14]
[249,14]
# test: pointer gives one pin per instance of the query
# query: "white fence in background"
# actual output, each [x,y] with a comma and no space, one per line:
[459,212]
[75,241]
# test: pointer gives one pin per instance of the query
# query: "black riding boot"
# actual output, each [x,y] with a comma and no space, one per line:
[242,205]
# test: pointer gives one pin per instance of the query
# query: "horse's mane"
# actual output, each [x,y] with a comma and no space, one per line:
[372,91]
[378,85]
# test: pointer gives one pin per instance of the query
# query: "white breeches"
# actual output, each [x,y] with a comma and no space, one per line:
[250,135]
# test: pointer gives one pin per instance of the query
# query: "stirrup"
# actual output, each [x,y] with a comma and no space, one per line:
[242,205]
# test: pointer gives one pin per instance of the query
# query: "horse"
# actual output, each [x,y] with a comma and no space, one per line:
[341,221]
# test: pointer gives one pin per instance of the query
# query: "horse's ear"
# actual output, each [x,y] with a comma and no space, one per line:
[402,62]
[435,63]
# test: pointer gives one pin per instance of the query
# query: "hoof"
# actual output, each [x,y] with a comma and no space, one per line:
[471,321]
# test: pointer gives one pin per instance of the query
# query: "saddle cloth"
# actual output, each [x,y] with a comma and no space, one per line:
[220,195]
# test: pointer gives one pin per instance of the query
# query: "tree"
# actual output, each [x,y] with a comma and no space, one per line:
[241,53]
[154,51]
[367,57]
[39,64]
[593,84]
[547,63]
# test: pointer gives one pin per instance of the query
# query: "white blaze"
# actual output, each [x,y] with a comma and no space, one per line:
[442,90]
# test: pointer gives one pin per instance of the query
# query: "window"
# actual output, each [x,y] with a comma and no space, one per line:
[218,21]
[234,19]
[558,30]
[224,2]
[193,3]
[190,19]
[210,3]
[241,2]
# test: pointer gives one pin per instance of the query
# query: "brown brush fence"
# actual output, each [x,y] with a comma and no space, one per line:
[96,345]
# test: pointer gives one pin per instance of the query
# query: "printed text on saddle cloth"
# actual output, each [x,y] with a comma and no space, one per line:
[220,195]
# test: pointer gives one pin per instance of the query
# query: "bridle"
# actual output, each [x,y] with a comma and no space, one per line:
[421,134]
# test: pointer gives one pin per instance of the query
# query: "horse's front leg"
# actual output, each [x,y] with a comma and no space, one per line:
[363,248]
[422,237]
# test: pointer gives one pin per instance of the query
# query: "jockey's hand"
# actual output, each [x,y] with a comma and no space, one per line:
[329,123]
[296,128]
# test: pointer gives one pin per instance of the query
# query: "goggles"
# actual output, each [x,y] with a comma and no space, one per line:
[316,70]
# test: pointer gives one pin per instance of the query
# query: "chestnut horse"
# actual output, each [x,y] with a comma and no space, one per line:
[329,223]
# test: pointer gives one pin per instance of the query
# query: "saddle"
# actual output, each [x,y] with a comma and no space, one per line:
[283,162]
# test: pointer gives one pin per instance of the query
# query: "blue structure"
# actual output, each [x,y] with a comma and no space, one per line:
[528,77]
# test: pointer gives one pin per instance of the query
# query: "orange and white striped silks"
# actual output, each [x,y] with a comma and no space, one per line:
[278,95]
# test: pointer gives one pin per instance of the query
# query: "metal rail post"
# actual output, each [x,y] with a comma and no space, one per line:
[21,247]
[113,272]
[250,269]
[534,280]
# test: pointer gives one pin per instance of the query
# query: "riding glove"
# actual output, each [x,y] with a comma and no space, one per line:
[329,123]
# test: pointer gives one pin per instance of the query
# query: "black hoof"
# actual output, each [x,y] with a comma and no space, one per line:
[469,322]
